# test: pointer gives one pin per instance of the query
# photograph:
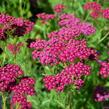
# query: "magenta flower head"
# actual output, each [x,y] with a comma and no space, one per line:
[104,69]
[53,34]
[45,17]
[15,26]
[95,14]
[76,49]
[95,9]
[68,20]
[59,8]
[69,33]
[8,75]
[25,86]
[18,87]
[47,51]
[92,6]
[57,50]
[105,13]
[22,27]
[70,75]
[21,91]
[101,94]
[15,48]
[21,100]
[87,29]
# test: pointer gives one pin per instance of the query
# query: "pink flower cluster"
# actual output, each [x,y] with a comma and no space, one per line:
[106,13]
[45,17]
[101,94]
[94,7]
[87,29]
[47,51]
[15,26]
[14,48]
[56,50]
[104,69]
[21,101]
[9,77]
[72,28]
[20,92]
[68,20]
[66,33]
[62,47]
[70,75]
[76,49]
[96,10]
[59,8]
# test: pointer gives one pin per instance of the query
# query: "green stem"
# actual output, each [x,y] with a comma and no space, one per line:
[69,100]
[103,37]
[4,101]
[87,16]
[18,106]
[45,32]
[4,56]
[20,8]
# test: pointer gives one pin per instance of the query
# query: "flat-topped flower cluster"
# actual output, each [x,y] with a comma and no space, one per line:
[96,10]
[63,46]
[10,25]
[13,81]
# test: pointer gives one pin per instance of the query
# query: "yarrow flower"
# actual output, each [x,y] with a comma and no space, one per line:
[94,7]
[21,101]
[53,34]
[105,13]
[45,17]
[96,10]
[65,33]
[68,20]
[72,28]
[87,28]
[100,94]
[20,92]
[104,69]
[70,75]
[95,14]
[8,75]
[57,50]
[15,26]
[69,33]
[74,23]
[47,51]
[18,89]
[14,48]
[25,86]
[59,8]
[76,49]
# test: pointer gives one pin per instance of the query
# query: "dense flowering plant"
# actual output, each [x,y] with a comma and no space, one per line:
[66,53]
[96,10]
[101,94]
[59,8]
[9,75]
[70,75]
[65,46]
[14,26]
[15,48]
